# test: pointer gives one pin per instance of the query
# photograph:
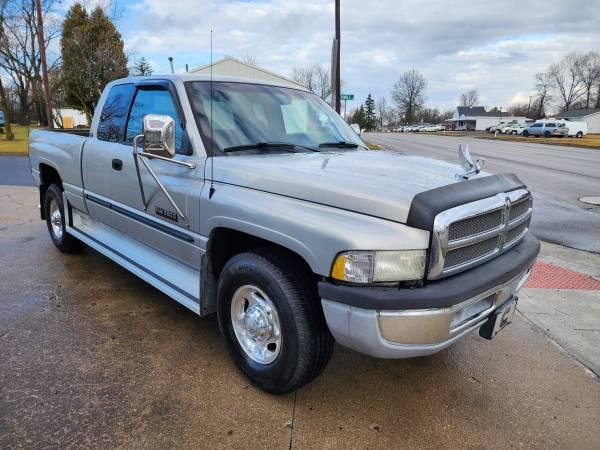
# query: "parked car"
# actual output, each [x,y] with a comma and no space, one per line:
[516,128]
[274,215]
[554,127]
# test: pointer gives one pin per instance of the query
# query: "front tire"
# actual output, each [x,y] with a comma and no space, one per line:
[271,317]
[579,134]
[526,133]
[54,212]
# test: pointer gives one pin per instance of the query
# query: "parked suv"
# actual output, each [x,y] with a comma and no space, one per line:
[546,129]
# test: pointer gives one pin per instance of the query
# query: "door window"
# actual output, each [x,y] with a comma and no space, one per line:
[152,100]
[550,125]
[111,127]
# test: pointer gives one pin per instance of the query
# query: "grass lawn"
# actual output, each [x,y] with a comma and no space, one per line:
[19,145]
[588,141]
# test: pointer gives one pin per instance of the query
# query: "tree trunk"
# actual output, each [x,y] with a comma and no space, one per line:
[598,97]
[7,113]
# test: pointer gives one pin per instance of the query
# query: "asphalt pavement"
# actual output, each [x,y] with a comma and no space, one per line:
[15,171]
[92,356]
[558,177]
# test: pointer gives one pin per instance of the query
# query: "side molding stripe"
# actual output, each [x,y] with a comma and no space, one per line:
[140,218]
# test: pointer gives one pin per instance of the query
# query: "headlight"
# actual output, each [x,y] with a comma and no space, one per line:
[379,266]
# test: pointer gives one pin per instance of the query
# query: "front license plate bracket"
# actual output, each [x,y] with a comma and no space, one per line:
[500,319]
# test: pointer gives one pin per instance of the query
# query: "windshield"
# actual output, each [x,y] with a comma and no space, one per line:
[245,114]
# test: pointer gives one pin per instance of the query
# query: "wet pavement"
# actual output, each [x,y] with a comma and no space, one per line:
[90,355]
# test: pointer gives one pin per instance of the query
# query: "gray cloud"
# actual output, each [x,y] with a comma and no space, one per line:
[496,47]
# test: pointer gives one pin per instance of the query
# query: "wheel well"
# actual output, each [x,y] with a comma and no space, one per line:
[48,176]
[224,243]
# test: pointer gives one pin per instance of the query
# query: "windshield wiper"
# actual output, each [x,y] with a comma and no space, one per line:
[269,145]
[341,144]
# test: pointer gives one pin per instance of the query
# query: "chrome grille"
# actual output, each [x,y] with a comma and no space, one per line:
[470,234]
[462,255]
[519,209]
[475,225]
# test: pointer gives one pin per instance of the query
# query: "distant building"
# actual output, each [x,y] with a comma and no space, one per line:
[476,118]
[69,118]
[590,116]
[234,68]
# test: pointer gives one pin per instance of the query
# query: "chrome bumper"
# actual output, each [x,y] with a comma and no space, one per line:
[405,334]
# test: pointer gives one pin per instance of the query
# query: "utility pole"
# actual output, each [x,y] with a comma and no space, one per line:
[529,107]
[337,56]
[42,44]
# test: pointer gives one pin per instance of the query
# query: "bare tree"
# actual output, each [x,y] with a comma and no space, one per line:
[588,71]
[409,93]
[7,112]
[315,78]
[383,112]
[519,110]
[19,51]
[250,60]
[542,97]
[565,79]
[469,98]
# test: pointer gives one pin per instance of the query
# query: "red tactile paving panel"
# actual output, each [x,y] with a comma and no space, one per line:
[549,276]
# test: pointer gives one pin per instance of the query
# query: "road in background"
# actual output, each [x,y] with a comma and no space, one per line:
[15,171]
[557,175]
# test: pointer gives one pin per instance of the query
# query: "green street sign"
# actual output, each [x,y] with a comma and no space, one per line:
[347,97]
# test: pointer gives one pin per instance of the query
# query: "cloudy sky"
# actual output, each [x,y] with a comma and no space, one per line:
[493,46]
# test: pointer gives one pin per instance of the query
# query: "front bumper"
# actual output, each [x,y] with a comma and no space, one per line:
[403,330]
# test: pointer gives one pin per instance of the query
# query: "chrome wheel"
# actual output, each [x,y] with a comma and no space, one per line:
[56,220]
[256,324]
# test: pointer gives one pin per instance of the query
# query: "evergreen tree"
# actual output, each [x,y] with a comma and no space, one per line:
[141,68]
[92,55]
[370,118]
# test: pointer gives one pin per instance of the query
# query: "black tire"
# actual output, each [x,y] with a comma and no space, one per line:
[62,240]
[547,134]
[514,132]
[579,134]
[306,344]
[525,133]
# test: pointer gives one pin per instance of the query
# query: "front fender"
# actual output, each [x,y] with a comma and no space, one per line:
[315,232]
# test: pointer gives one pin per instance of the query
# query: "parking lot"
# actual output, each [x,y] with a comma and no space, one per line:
[93,356]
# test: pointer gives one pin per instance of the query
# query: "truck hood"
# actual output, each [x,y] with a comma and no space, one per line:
[377,183]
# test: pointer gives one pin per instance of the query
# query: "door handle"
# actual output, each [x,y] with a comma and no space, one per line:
[117,164]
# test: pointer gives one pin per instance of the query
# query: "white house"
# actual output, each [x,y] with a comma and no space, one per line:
[477,118]
[70,118]
[589,116]
[235,68]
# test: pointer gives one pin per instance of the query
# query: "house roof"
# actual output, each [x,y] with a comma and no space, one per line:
[233,67]
[578,113]
[478,111]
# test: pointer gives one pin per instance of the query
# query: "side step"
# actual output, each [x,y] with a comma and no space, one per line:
[177,280]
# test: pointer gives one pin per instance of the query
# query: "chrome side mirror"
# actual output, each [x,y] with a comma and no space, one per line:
[159,135]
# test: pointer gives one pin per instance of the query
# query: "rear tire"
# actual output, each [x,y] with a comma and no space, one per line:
[54,212]
[526,133]
[547,134]
[272,320]
[579,134]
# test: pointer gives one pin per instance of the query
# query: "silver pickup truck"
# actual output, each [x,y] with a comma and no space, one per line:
[258,202]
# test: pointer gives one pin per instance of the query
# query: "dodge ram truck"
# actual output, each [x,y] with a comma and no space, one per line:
[259,203]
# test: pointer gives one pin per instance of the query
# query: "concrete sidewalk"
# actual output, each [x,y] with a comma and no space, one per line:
[91,356]
[562,298]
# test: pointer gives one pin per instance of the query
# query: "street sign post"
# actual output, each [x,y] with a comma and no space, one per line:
[346,97]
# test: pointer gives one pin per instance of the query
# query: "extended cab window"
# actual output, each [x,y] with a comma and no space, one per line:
[152,100]
[111,127]
[550,125]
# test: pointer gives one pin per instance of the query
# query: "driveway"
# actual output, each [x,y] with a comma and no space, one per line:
[92,356]
[558,177]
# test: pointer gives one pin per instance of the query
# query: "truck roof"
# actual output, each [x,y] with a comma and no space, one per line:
[203,77]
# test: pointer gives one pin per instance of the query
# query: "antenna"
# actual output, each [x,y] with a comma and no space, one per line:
[171,62]
[212,154]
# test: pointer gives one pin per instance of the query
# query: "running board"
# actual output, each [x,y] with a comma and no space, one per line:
[177,280]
